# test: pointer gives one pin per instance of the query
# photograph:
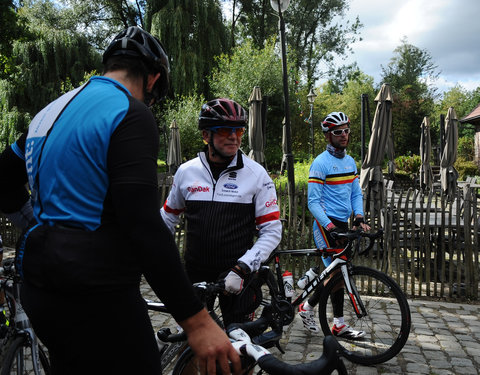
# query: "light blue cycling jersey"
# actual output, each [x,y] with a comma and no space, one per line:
[333,191]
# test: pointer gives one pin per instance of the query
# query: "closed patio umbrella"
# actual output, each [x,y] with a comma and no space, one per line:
[371,177]
[174,155]
[426,175]
[448,173]
[255,129]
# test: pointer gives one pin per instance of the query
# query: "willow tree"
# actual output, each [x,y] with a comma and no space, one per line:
[44,65]
[42,68]
[193,34]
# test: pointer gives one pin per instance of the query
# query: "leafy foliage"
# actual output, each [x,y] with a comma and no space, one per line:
[43,64]
[235,77]
[302,169]
[409,72]
[408,164]
[185,112]
[466,168]
[193,33]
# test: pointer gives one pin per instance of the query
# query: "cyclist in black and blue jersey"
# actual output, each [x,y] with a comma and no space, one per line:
[90,161]
[334,193]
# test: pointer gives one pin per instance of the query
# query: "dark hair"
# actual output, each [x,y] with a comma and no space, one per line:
[135,67]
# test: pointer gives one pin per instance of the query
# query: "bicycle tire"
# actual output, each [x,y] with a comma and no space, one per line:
[388,321]
[186,364]
[18,358]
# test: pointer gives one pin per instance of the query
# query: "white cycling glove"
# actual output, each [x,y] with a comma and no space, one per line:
[234,279]
[233,283]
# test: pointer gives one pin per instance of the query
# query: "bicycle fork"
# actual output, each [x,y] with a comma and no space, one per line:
[353,295]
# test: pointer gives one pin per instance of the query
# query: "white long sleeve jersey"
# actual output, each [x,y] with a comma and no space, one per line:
[223,216]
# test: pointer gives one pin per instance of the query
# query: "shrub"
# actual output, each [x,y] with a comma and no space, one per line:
[465,168]
[301,170]
[408,164]
[466,148]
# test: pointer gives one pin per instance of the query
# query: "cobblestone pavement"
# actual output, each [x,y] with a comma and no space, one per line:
[444,339]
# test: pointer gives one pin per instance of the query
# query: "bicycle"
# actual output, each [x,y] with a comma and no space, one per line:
[21,353]
[377,304]
[171,345]
[176,344]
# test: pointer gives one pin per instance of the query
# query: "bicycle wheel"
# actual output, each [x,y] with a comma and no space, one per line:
[187,364]
[387,321]
[18,359]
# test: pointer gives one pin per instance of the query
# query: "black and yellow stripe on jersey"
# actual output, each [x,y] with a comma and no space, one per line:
[334,179]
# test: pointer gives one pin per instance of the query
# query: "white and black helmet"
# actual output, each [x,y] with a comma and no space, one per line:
[335,119]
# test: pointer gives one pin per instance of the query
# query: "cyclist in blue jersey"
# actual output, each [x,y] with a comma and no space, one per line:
[90,161]
[334,193]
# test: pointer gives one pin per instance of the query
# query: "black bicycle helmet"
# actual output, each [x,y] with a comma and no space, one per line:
[335,119]
[221,112]
[136,42]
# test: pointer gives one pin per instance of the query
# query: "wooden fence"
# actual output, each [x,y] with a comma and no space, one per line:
[430,244]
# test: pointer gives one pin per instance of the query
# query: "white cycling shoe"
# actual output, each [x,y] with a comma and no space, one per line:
[308,319]
[347,332]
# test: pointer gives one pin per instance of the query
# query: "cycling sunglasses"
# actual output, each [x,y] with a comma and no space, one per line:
[225,131]
[339,132]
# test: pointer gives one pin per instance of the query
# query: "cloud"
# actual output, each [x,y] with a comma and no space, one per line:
[448,30]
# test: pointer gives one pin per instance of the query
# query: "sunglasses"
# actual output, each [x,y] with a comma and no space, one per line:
[227,131]
[339,132]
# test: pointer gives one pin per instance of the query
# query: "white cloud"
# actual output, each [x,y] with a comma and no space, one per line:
[447,29]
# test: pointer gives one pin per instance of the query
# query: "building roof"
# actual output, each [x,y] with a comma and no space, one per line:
[473,117]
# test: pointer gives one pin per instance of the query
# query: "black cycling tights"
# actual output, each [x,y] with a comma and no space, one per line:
[94,333]
[337,298]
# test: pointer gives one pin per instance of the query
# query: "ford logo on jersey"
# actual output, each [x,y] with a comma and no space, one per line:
[230,186]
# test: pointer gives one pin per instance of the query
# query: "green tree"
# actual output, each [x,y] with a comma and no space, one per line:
[193,33]
[409,72]
[11,29]
[185,112]
[349,102]
[43,61]
[464,101]
[313,35]
[237,75]
[316,38]
[99,20]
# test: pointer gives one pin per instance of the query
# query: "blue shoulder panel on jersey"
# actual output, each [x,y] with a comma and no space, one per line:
[72,174]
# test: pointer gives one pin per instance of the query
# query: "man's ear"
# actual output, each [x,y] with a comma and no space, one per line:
[152,78]
[206,136]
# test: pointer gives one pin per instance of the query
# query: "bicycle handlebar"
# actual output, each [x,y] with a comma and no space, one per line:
[350,236]
[326,364]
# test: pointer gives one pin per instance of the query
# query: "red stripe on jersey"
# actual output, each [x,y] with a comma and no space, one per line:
[171,210]
[268,217]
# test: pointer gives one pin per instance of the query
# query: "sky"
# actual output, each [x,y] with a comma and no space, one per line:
[448,29]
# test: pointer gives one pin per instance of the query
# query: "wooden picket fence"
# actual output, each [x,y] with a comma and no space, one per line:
[430,244]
